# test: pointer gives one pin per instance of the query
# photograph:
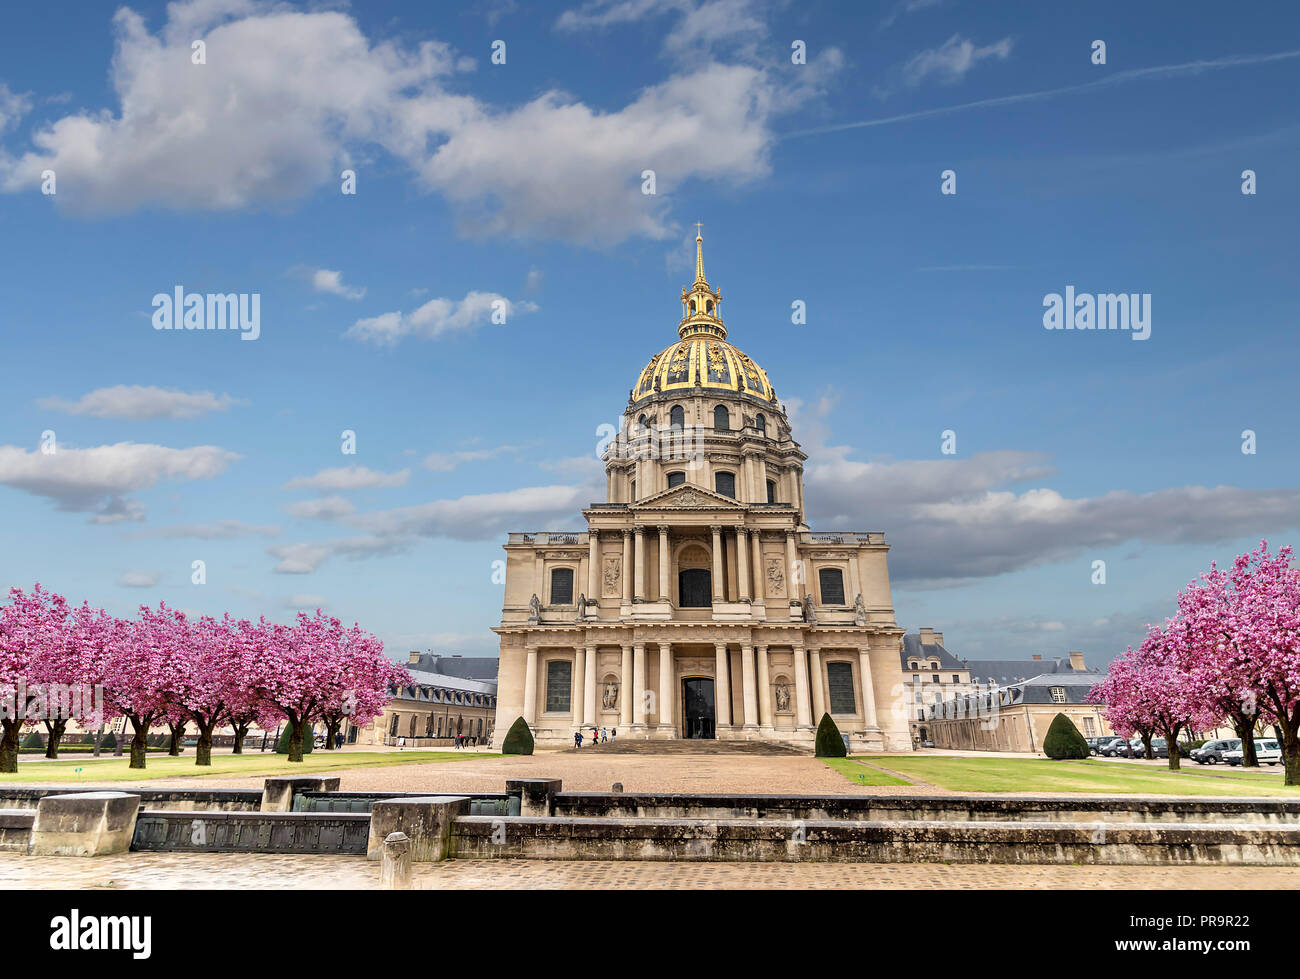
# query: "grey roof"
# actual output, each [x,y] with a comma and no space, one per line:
[1005,672]
[1076,684]
[913,648]
[467,667]
[428,678]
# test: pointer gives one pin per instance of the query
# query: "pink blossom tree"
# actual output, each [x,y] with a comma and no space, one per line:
[32,631]
[140,673]
[215,680]
[294,667]
[361,688]
[1127,711]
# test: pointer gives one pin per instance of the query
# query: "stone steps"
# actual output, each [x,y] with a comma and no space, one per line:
[686,746]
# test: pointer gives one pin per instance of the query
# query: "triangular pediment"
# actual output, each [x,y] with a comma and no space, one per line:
[687,497]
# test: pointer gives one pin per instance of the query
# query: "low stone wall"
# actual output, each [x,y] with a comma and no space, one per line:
[251,832]
[16,829]
[1120,809]
[29,796]
[852,841]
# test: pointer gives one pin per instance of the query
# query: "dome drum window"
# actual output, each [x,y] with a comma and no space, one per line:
[562,586]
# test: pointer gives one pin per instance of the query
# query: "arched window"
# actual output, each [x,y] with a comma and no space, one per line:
[771,491]
[562,586]
[677,417]
[725,483]
[692,305]
[761,424]
[676,479]
[694,588]
[559,686]
[832,584]
[721,418]
[708,305]
[641,421]
[392,728]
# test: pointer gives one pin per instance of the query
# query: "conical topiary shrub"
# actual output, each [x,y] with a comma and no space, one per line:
[34,740]
[108,742]
[519,740]
[1064,740]
[830,743]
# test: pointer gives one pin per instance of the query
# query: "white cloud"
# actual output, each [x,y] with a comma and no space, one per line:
[953,59]
[304,603]
[448,461]
[138,579]
[325,508]
[481,516]
[96,480]
[349,478]
[138,403]
[436,317]
[331,281]
[306,557]
[13,106]
[288,98]
[217,530]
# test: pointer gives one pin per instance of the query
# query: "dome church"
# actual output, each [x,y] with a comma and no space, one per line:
[698,603]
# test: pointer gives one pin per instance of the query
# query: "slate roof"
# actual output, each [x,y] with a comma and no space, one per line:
[913,648]
[466,667]
[1005,672]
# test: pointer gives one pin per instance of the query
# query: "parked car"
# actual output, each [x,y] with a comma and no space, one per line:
[1211,753]
[1119,748]
[1104,743]
[1267,750]
[318,741]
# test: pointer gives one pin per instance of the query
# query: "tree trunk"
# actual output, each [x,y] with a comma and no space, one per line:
[203,750]
[1291,758]
[55,730]
[295,739]
[178,735]
[1147,753]
[1245,728]
[9,746]
[331,732]
[1171,742]
[241,732]
[138,743]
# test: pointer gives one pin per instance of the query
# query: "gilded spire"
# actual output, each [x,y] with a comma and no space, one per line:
[699,255]
[700,303]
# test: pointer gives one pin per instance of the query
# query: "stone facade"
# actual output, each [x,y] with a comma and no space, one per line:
[697,602]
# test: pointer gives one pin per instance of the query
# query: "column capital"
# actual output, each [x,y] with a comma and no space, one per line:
[719,647]
[746,647]
[627,532]
[761,646]
[638,530]
[662,528]
[593,534]
[716,528]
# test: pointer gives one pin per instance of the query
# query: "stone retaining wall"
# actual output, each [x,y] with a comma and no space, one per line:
[249,832]
[29,796]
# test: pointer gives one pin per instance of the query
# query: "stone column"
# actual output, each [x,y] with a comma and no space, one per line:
[665,581]
[589,697]
[638,686]
[750,691]
[530,687]
[593,566]
[579,683]
[793,588]
[764,690]
[801,688]
[626,694]
[718,594]
[640,564]
[722,686]
[818,694]
[868,689]
[742,562]
[666,677]
[627,566]
[760,586]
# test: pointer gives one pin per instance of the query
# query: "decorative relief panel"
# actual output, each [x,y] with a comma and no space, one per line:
[776,577]
[611,575]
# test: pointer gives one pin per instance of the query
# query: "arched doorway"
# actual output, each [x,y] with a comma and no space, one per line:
[697,708]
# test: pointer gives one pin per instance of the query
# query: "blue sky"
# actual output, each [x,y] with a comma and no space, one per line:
[521,183]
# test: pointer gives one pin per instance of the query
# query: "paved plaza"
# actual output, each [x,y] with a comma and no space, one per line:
[248,871]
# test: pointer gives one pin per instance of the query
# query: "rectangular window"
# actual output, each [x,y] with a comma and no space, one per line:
[839,680]
[725,483]
[676,479]
[1087,725]
[559,684]
[562,586]
[832,582]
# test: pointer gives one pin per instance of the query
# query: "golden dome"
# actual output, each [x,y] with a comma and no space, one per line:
[714,363]
[702,357]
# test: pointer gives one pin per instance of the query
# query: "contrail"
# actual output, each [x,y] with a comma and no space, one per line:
[1118,78]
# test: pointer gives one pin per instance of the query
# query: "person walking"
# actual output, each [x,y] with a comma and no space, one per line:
[577,739]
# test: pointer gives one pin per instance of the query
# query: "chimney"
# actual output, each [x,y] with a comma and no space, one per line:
[927,636]
[415,656]
[938,638]
[1076,660]
[1038,656]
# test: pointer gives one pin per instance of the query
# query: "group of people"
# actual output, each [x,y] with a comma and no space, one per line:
[598,734]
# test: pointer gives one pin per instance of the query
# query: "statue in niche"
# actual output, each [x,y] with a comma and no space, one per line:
[609,698]
[859,611]
[783,698]
[809,615]
[534,610]
[582,607]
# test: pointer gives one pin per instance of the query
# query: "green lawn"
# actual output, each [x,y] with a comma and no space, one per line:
[860,774]
[93,771]
[1043,775]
